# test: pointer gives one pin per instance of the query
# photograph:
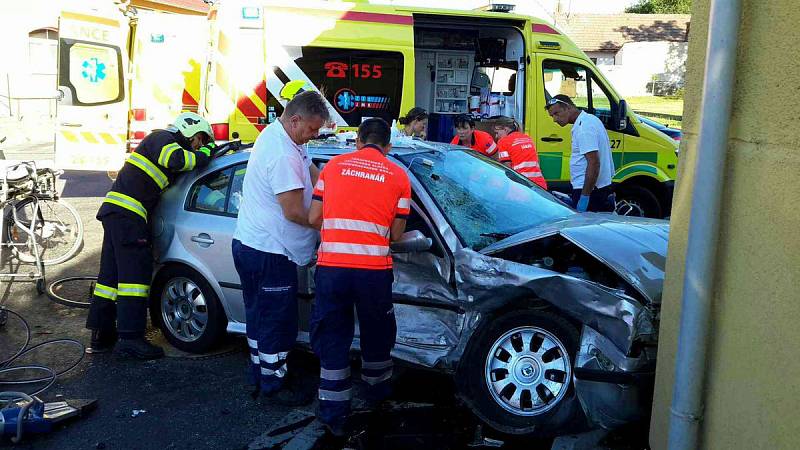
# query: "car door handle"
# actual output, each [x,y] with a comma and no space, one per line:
[203,239]
[71,124]
[551,139]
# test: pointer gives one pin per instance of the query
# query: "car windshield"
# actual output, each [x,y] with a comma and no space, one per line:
[483,200]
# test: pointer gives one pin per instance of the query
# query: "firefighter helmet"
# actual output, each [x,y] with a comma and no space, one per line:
[295,87]
[189,124]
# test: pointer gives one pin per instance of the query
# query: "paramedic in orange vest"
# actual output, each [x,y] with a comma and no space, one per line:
[516,150]
[361,203]
[468,136]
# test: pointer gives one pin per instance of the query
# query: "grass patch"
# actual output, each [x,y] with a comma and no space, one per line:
[661,105]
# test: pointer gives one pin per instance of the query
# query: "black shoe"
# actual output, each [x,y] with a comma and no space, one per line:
[139,348]
[290,395]
[102,341]
[336,430]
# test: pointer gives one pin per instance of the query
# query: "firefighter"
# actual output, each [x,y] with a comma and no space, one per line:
[354,267]
[119,301]
[516,150]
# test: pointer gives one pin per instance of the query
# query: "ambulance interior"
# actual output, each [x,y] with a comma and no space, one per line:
[464,67]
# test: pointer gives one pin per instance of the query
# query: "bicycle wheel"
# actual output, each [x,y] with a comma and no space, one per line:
[72,291]
[58,231]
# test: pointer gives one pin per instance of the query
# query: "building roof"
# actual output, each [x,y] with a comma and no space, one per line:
[598,32]
[174,6]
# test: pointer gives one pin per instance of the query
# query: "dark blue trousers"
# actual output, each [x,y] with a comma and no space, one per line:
[269,285]
[601,200]
[332,328]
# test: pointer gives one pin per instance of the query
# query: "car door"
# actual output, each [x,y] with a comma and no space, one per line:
[205,229]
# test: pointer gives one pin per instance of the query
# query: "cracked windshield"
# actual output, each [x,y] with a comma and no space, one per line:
[483,202]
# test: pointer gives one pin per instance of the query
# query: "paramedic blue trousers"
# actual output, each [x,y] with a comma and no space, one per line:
[120,297]
[337,290]
[269,288]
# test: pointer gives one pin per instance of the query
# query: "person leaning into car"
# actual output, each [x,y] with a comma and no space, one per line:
[273,237]
[354,268]
[591,165]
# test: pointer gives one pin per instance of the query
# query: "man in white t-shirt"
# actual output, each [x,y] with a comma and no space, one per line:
[273,237]
[591,165]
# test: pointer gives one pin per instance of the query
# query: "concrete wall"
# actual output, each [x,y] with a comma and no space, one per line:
[753,370]
[638,64]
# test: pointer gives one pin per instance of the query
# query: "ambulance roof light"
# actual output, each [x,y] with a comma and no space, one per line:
[500,7]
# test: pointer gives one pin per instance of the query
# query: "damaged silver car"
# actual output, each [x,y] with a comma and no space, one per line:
[544,316]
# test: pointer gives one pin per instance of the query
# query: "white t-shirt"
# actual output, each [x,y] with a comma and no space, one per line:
[589,135]
[276,165]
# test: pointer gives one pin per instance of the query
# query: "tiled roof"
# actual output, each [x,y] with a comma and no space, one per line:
[594,32]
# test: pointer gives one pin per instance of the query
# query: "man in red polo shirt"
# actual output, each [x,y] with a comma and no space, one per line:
[360,202]
[468,136]
[516,150]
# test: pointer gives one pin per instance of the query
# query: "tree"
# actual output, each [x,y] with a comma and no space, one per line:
[661,7]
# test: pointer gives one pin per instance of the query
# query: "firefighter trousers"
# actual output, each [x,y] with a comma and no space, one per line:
[120,297]
[269,288]
[332,328]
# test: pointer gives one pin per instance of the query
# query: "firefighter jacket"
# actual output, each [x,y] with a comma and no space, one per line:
[155,163]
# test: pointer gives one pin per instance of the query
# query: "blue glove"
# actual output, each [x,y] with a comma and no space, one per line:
[583,203]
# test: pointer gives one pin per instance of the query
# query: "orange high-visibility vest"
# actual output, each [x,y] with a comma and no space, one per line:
[482,142]
[361,193]
[518,149]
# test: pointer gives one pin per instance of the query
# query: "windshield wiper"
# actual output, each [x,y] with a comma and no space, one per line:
[496,235]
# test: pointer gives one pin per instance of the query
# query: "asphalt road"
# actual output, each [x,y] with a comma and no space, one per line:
[184,402]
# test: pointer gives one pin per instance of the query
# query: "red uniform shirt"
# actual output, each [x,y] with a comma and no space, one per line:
[482,142]
[361,193]
[518,149]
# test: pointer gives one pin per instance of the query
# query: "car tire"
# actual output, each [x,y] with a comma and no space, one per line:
[637,201]
[186,309]
[550,367]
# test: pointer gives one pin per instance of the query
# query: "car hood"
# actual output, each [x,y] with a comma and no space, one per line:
[634,248]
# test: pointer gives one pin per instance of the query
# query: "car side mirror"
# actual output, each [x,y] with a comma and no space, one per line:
[619,120]
[412,242]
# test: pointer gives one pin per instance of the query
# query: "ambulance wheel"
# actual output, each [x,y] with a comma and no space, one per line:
[637,201]
[186,309]
[517,374]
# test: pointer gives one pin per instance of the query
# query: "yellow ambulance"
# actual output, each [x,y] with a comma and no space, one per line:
[122,72]
[380,61]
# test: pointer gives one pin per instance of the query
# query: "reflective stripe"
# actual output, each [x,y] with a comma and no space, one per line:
[101,290]
[189,161]
[133,289]
[149,168]
[320,185]
[272,358]
[334,375]
[375,380]
[252,343]
[526,164]
[166,153]
[280,373]
[335,396]
[404,203]
[254,359]
[376,365]
[491,149]
[535,174]
[504,154]
[354,249]
[355,225]
[205,150]
[127,202]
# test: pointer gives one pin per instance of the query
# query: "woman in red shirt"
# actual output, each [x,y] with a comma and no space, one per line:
[517,151]
[468,136]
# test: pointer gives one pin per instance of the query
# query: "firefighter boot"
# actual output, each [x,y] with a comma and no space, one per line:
[139,348]
[102,341]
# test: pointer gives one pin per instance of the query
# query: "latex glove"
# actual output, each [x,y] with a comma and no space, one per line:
[583,203]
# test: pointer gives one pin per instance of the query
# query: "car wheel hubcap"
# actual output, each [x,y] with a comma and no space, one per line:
[527,371]
[629,208]
[184,309]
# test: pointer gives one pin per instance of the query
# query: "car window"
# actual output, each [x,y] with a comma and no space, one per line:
[577,83]
[209,194]
[236,189]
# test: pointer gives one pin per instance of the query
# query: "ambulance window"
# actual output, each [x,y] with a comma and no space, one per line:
[357,83]
[92,72]
[577,83]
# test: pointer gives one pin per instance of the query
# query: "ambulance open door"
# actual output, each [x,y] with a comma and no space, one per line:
[91,128]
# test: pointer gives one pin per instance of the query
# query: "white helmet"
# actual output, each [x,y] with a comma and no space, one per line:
[189,124]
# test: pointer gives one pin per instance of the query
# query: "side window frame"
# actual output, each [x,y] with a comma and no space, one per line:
[188,203]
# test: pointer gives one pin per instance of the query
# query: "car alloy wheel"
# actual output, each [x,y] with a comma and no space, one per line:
[527,371]
[184,309]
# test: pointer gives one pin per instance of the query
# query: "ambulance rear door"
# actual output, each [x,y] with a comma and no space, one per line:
[92,120]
